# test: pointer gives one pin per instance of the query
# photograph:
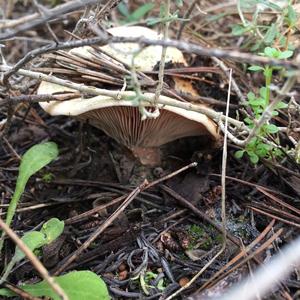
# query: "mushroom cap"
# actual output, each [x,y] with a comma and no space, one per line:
[146,59]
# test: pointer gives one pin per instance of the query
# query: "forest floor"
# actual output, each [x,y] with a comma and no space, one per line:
[172,229]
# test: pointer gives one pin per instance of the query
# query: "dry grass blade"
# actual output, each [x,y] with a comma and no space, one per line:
[274,216]
[257,251]
[268,276]
[279,201]
[78,67]
[215,278]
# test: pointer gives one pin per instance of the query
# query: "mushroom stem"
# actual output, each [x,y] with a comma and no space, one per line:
[147,156]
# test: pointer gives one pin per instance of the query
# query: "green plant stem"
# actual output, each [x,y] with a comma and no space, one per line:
[8,270]
[268,75]
[267,114]
[160,84]
[241,15]
[11,211]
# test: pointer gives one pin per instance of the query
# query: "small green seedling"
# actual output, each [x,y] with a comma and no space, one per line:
[136,15]
[145,279]
[77,285]
[257,32]
[165,17]
[257,148]
[34,240]
[198,233]
[151,276]
[48,177]
[32,161]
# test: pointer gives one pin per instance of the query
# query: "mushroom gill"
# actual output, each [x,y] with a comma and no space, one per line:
[144,137]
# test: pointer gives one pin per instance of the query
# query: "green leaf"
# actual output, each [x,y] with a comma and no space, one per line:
[7,293]
[33,240]
[271,128]
[263,149]
[179,3]
[253,158]
[216,17]
[248,121]
[256,46]
[248,4]
[291,16]
[52,229]
[162,10]
[252,142]
[256,68]
[269,4]
[285,54]
[277,152]
[123,9]
[261,152]
[281,105]
[258,102]
[140,12]
[78,285]
[263,92]
[251,96]
[239,29]
[264,146]
[239,154]
[36,158]
[32,161]
[271,34]
[282,41]
[271,52]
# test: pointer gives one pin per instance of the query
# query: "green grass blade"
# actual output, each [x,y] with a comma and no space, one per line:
[37,157]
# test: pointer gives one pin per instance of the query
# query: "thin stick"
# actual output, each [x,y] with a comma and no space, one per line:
[111,219]
[18,291]
[244,252]
[185,17]
[260,211]
[55,13]
[197,211]
[160,84]
[235,86]
[183,46]
[269,275]
[34,260]
[224,161]
[101,228]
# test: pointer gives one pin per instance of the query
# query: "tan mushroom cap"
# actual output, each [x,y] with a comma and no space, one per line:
[120,120]
[146,59]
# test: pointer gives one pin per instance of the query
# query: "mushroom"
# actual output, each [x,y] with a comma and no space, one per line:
[119,118]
